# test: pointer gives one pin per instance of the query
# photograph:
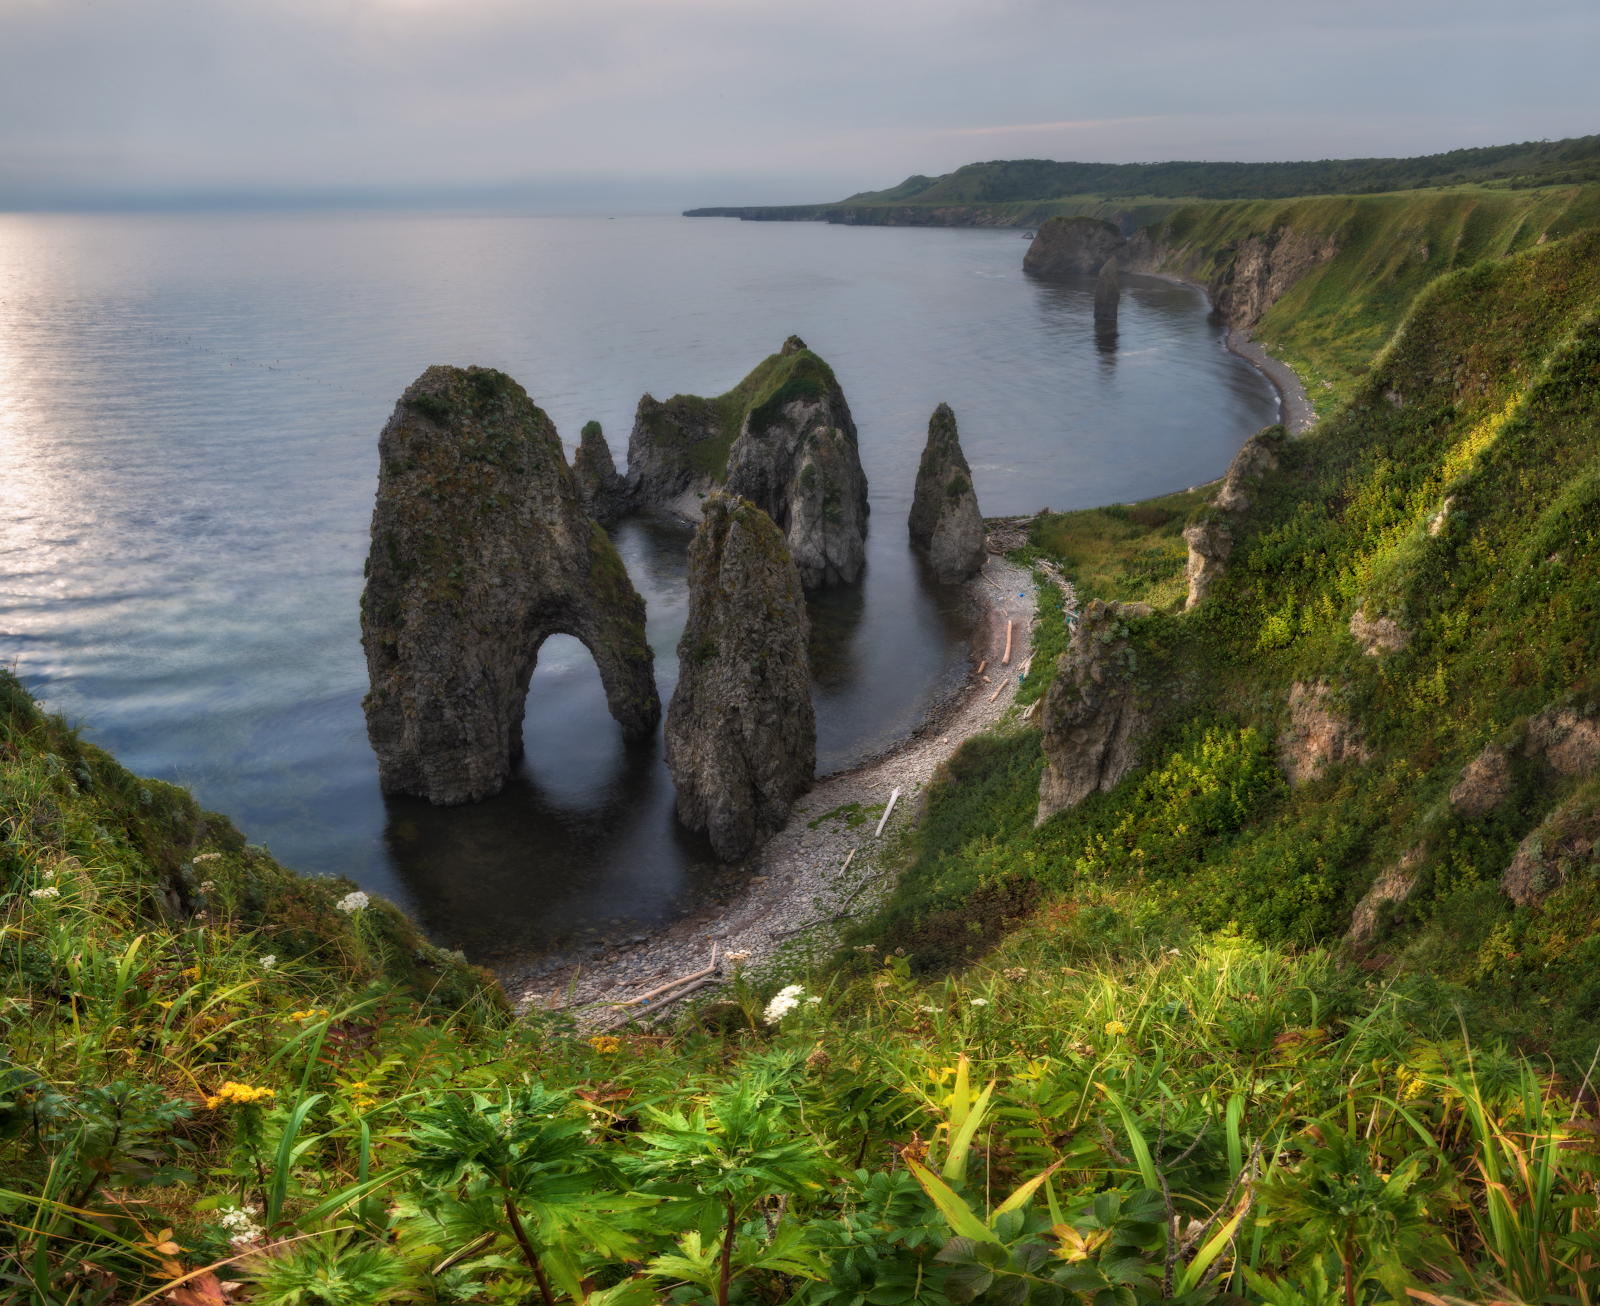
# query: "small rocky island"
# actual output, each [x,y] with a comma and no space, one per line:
[1107,293]
[945,521]
[784,439]
[601,489]
[741,732]
[481,550]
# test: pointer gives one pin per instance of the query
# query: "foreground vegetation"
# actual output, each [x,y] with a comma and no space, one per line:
[1128,1056]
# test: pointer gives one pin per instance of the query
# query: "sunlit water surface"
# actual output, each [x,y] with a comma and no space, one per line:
[189,410]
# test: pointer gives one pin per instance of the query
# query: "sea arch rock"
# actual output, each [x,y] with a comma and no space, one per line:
[481,550]
[1094,712]
[741,731]
[945,521]
[782,438]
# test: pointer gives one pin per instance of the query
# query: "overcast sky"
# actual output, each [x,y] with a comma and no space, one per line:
[640,104]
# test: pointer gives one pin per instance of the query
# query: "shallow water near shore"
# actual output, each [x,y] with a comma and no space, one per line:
[189,409]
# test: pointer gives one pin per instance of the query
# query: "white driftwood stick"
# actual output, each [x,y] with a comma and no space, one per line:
[997,690]
[1006,660]
[847,862]
[887,810]
[666,988]
[661,1012]
[982,665]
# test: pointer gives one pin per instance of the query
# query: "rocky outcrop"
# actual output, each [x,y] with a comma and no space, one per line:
[1210,541]
[480,551]
[1484,784]
[1566,740]
[601,489]
[1094,713]
[1377,635]
[1317,736]
[1107,293]
[1261,270]
[945,521]
[741,732]
[1209,534]
[1547,858]
[782,438]
[1395,884]
[1067,246]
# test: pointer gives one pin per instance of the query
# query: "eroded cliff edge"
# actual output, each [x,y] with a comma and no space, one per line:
[741,737]
[481,550]
[784,439]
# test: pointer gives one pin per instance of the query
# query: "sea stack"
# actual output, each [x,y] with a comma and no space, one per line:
[945,521]
[741,732]
[601,489]
[782,438]
[480,551]
[1107,294]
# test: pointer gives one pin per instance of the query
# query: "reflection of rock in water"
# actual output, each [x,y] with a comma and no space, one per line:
[782,438]
[480,551]
[945,521]
[836,616]
[1107,293]
[741,731]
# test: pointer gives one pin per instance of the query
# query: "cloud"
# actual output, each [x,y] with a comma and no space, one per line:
[119,101]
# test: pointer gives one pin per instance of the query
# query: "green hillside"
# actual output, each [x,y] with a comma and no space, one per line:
[1123,1058]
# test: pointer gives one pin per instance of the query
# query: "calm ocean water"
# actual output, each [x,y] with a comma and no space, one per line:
[189,410]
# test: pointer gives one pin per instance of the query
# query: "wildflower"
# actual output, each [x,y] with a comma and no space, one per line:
[1173,952]
[49,892]
[605,1043]
[1016,973]
[241,1228]
[269,961]
[206,857]
[206,886]
[785,1001]
[352,902]
[738,958]
[233,1093]
[868,947]
[813,1000]
[932,1011]
[1115,1028]
[192,972]
[980,1002]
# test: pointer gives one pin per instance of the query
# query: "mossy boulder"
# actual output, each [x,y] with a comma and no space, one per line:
[481,550]
[741,738]
[945,521]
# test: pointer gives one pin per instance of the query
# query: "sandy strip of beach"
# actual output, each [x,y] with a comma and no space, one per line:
[799,884]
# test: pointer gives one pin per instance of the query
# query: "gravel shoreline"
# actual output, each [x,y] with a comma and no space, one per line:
[1298,414]
[826,866]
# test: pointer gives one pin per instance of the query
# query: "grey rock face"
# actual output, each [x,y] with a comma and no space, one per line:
[945,520]
[1317,737]
[1563,844]
[1377,635]
[480,551]
[1484,784]
[782,438]
[1210,534]
[1064,246]
[1394,884]
[1094,717]
[601,489]
[741,732]
[1107,293]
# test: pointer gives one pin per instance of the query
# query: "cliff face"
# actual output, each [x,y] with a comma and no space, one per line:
[782,438]
[945,520]
[1094,716]
[480,551]
[741,732]
[1210,534]
[1072,245]
[603,493]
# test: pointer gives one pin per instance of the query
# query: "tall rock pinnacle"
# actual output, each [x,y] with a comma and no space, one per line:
[945,520]
[600,487]
[1107,293]
[741,732]
[480,551]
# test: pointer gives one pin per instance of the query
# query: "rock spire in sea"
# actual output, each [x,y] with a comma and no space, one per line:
[945,521]
[782,438]
[1107,293]
[601,489]
[480,551]
[741,736]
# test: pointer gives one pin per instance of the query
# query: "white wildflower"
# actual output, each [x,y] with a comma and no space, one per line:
[352,902]
[738,958]
[206,886]
[50,892]
[241,1228]
[980,1002]
[207,857]
[269,961]
[785,1001]
[932,1011]
[813,1000]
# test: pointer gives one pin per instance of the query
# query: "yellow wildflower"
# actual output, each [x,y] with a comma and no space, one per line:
[192,973]
[233,1093]
[1115,1029]
[606,1043]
